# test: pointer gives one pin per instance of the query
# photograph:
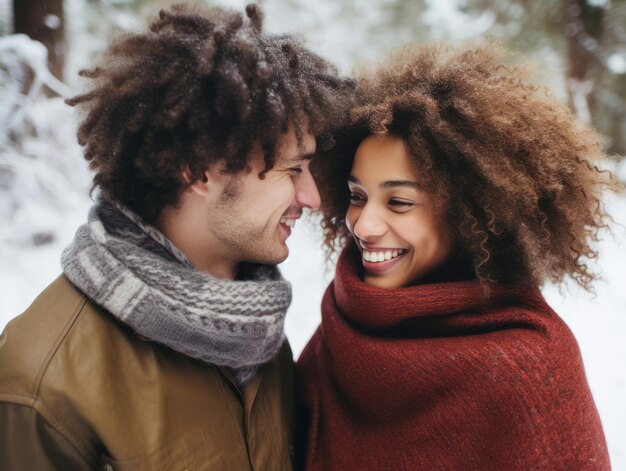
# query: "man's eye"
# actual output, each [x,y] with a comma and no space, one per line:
[296,170]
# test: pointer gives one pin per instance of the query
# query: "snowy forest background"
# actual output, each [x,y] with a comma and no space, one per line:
[580,46]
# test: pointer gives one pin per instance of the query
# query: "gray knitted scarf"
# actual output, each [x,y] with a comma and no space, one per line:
[134,272]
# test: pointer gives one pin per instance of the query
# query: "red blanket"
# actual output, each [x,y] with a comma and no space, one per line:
[440,376]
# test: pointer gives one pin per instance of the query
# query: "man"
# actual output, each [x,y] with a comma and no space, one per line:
[161,346]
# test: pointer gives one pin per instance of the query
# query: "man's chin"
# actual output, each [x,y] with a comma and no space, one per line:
[271,259]
[282,257]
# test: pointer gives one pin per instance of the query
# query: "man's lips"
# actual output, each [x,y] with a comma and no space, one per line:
[289,219]
[290,222]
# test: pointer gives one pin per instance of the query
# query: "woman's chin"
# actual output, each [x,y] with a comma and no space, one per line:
[385,282]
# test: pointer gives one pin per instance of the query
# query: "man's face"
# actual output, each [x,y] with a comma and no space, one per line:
[254,224]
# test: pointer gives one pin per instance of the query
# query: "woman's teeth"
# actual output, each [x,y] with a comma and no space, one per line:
[381,255]
[288,222]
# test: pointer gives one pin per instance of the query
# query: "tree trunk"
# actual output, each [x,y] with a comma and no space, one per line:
[583,25]
[43,21]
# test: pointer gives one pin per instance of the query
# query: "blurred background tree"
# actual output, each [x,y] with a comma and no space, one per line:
[42,20]
[588,38]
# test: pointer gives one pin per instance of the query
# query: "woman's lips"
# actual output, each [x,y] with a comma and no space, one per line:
[380,267]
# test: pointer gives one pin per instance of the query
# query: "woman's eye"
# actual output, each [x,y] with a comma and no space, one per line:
[401,203]
[355,198]
[296,170]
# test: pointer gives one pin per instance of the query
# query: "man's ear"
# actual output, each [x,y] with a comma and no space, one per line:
[209,179]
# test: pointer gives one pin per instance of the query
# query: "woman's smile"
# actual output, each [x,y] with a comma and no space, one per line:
[380,259]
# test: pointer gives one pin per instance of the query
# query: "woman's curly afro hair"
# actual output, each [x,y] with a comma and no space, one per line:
[515,172]
[202,85]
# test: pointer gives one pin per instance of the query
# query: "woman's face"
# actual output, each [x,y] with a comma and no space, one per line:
[400,232]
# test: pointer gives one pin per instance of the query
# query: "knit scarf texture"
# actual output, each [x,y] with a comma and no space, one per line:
[136,274]
[441,376]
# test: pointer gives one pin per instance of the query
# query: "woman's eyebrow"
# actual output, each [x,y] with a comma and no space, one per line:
[390,183]
[401,183]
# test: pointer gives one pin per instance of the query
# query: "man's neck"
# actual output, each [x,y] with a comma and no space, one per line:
[183,231]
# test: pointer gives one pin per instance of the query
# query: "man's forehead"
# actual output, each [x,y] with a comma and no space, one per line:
[294,150]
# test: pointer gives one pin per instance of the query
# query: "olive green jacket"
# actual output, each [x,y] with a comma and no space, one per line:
[80,391]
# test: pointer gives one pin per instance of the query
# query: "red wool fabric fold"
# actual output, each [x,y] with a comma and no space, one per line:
[440,376]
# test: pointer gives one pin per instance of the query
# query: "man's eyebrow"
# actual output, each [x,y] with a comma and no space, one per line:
[300,158]
[391,183]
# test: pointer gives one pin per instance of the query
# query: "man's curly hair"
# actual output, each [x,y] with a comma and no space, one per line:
[516,174]
[202,85]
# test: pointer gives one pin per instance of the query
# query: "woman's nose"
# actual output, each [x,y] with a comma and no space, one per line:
[370,223]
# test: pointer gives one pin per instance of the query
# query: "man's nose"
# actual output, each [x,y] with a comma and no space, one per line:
[307,194]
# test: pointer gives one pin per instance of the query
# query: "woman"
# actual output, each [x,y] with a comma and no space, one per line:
[456,191]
